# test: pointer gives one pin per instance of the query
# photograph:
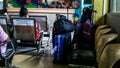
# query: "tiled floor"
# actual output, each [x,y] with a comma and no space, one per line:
[25,57]
[25,61]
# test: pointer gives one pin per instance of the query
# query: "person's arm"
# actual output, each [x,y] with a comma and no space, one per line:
[3,36]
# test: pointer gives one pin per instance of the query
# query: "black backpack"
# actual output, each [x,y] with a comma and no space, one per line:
[63,25]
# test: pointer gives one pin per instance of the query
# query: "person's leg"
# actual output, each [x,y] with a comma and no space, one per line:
[9,46]
[13,47]
[2,51]
[2,62]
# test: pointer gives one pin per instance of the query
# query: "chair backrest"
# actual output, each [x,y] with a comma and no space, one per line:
[104,40]
[24,29]
[99,28]
[100,33]
[42,20]
[113,21]
[14,16]
[3,23]
[110,57]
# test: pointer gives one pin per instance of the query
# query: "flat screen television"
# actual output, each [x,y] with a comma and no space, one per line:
[2,6]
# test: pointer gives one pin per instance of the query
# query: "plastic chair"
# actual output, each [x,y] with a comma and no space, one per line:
[8,54]
[100,33]
[104,40]
[42,20]
[110,57]
[99,28]
[24,31]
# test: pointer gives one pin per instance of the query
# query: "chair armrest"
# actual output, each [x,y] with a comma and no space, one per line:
[10,51]
[46,34]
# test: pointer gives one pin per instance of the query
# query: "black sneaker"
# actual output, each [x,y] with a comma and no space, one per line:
[2,63]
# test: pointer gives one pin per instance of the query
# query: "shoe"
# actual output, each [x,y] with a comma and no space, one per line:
[2,63]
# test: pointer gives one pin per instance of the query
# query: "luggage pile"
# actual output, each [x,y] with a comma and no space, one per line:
[80,50]
[62,39]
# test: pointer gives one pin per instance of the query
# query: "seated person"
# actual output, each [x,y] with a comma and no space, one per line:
[24,14]
[4,38]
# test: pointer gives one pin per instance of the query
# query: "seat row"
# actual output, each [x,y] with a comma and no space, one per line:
[23,30]
[107,42]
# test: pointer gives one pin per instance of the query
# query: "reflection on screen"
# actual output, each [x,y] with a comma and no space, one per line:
[1,4]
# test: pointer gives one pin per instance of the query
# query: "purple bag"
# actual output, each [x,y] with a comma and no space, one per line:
[87,30]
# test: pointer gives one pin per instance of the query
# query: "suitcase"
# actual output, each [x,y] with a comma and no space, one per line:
[61,47]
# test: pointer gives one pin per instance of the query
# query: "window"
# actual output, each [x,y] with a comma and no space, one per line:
[114,6]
